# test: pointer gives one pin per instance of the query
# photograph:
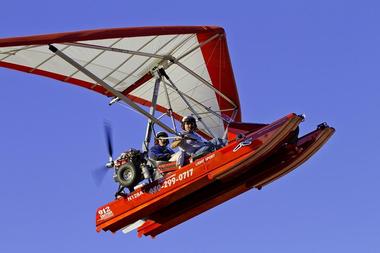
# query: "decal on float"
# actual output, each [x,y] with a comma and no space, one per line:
[244,143]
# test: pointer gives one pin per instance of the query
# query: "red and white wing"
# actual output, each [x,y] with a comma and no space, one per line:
[204,73]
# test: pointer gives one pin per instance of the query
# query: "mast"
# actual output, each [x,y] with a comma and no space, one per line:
[152,110]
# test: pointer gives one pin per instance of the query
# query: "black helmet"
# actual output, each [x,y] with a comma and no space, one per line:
[189,119]
[161,134]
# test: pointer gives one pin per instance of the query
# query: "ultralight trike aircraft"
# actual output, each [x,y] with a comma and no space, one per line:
[178,71]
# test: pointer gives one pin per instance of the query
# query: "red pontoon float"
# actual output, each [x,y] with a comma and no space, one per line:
[179,71]
[283,161]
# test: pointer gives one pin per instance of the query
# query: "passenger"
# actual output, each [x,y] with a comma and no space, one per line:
[160,151]
[191,144]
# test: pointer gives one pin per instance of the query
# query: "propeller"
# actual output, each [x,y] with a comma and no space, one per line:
[108,134]
[98,174]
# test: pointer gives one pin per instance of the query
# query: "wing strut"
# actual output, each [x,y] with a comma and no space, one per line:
[152,111]
[170,109]
[109,88]
[119,50]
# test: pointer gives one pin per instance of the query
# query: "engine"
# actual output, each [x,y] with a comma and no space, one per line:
[131,168]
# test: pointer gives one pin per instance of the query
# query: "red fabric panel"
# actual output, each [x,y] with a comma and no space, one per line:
[219,67]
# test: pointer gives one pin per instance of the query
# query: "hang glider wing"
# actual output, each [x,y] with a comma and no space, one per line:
[195,58]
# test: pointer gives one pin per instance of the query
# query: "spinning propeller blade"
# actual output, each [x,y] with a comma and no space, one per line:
[108,134]
[98,174]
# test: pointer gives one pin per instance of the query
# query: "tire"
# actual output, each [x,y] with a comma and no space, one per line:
[128,175]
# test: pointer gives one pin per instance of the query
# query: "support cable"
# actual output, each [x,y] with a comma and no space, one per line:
[163,73]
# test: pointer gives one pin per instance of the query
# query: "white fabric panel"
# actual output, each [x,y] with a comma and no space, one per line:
[121,70]
[187,45]
[31,57]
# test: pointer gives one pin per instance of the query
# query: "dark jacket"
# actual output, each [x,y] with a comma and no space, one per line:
[160,153]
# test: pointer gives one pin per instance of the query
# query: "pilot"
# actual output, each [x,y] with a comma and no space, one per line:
[160,151]
[191,144]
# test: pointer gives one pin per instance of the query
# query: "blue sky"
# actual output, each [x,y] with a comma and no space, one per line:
[320,58]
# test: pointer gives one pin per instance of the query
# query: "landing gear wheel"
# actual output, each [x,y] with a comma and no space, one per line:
[128,175]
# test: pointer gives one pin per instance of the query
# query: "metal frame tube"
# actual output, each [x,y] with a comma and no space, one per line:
[119,50]
[170,110]
[109,88]
[152,111]
[132,52]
